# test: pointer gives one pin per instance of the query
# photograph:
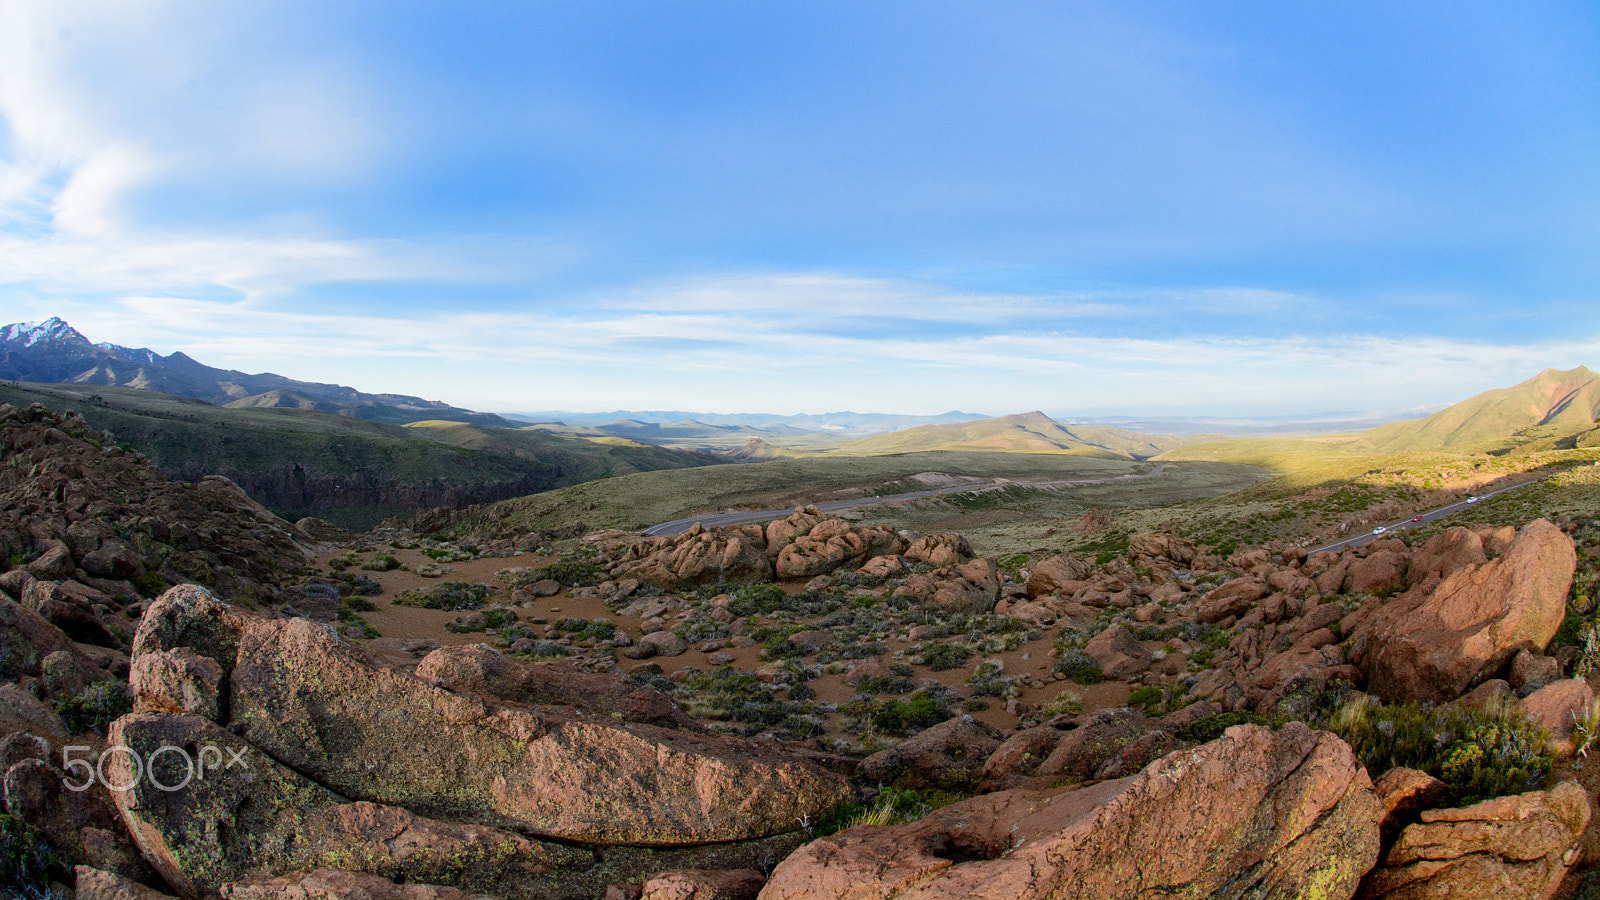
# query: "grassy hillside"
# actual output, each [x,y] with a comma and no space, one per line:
[638,501]
[1553,404]
[1032,432]
[347,470]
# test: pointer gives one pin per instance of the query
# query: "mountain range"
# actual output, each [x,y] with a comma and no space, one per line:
[54,352]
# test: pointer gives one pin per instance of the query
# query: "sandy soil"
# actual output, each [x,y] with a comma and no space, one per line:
[396,623]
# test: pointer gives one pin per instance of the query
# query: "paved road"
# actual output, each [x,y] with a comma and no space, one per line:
[712,520]
[1423,519]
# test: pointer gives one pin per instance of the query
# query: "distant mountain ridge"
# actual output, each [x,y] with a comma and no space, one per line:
[53,352]
[1030,432]
[837,423]
[1560,402]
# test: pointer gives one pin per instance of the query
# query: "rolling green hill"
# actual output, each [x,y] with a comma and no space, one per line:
[1032,432]
[347,470]
[1559,403]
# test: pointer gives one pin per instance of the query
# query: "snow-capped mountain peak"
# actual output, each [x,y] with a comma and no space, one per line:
[30,333]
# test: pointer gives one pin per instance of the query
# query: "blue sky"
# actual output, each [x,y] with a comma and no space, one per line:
[1174,208]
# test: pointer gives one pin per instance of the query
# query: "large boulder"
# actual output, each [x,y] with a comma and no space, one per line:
[1252,814]
[480,669]
[940,549]
[1435,645]
[1382,572]
[312,702]
[1118,652]
[224,811]
[697,557]
[1232,598]
[1446,553]
[1094,739]
[950,755]
[1063,575]
[1519,846]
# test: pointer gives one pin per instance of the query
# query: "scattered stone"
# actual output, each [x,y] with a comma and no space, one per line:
[1519,846]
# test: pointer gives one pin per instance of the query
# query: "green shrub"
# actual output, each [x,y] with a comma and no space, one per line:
[383,562]
[757,599]
[1079,668]
[1145,698]
[727,695]
[1476,754]
[25,861]
[574,571]
[892,806]
[586,630]
[941,656]
[498,618]
[96,708]
[921,710]
[451,595]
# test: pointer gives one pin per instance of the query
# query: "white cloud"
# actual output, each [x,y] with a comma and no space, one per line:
[724,361]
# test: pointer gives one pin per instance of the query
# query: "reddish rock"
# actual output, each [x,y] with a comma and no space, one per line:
[280,821]
[1554,706]
[883,567]
[115,561]
[1019,756]
[1252,814]
[1096,738]
[93,884]
[1062,575]
[1528,668]
[1445,554]
[1118,652]
[1506,847]
[1382,572]
[695,558]
[940,550]
[1233,598]
[177,681]
[950,755]
[1435,645]
[480,669]
[21,711]
[1403,792]
[313,702]
[703,884]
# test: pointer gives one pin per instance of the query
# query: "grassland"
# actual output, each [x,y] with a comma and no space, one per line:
[644,499]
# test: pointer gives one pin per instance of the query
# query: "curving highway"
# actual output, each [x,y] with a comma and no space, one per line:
[712,520]
[1422,519]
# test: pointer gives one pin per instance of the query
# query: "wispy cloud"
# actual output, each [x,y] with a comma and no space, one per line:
[723,360]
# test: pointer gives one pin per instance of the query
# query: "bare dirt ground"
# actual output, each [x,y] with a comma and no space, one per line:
[399,624]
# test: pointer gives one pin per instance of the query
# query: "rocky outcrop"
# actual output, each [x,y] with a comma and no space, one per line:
[1252,814]
[1518,846]
[1435,644]
[1118,652]
[247,816]
[316,704]
[1445,554]
[334,884]
[972,586]
[480,669]
[949,755]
